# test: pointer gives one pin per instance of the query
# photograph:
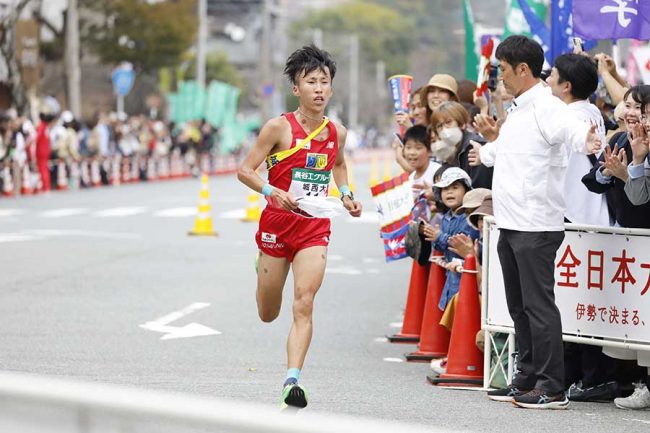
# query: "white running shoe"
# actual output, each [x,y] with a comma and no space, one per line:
[439,366]
[640,399]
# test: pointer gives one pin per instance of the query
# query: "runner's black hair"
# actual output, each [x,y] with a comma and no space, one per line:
[307,59]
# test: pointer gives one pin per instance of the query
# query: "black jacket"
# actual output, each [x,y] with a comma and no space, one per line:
[625,213]
[481,175]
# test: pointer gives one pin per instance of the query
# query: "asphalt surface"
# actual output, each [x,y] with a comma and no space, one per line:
[80,271]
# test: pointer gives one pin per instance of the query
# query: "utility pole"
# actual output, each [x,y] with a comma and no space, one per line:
[73,70]
[353,105]
[266,79]
[202,39]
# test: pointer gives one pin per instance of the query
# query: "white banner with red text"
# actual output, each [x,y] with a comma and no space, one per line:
[602,283]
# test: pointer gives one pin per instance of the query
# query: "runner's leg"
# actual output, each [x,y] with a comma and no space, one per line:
[308,271]
[271,276]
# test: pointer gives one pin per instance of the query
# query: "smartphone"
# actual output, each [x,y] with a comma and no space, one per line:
[577,43]
[492,78]
[399,139]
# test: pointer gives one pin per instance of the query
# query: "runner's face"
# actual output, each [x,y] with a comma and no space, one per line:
[314,89]
[416,154]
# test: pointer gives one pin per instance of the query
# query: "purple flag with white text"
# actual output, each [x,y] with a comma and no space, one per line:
[611,19]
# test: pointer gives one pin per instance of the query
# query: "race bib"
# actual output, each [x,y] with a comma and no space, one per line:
[309,183]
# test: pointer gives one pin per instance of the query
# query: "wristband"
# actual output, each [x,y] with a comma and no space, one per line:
[267,189]
[345,190]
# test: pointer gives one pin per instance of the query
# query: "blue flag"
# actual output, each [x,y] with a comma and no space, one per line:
[538,30]
[562,29]
[612,19]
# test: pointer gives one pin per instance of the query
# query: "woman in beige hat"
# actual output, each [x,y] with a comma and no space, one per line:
[441,88]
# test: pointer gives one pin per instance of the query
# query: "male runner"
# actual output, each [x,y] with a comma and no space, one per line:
[288,237]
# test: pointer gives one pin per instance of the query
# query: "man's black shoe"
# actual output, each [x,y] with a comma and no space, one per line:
[506,394]
[602,392]
[539,399]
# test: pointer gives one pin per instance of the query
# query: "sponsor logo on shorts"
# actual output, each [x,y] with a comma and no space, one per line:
[272,246]
[268,237]
[317,161]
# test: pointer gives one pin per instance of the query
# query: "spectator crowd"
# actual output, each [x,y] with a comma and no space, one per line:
[591,168]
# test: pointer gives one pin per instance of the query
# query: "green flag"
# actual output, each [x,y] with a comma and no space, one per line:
[516,23]
[471,54]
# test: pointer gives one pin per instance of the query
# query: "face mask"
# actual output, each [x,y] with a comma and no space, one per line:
[442,151]
[451,136]
[319,207]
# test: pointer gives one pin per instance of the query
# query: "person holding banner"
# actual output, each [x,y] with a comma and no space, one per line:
[302,150]
[529,163]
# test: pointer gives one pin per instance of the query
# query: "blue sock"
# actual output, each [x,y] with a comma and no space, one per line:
[293,374]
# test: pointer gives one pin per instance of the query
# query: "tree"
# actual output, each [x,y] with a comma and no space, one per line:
[8,54]
[384,34]
[217,68]
[150,36]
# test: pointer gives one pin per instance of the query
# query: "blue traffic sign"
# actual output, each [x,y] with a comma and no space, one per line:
[123,77]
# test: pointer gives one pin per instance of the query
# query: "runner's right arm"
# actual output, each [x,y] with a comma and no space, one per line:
[270,135]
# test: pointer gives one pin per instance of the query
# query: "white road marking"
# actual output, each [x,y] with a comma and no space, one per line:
[381,340]
[11,212]
[17,237]
[120,211]
[172,332]
[83,233]
[643,421]
[235,214]
[393,360]
[395,324]
[343,270]
[176,212]
[64,212]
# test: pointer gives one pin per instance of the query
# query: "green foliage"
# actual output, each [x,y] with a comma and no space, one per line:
[150,36]
[384,34]
[217,68]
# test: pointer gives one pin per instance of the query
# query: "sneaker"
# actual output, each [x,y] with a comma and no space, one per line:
[506,394]
[601,392]
[293,395]
[439,366]
[539,399]
[640,399]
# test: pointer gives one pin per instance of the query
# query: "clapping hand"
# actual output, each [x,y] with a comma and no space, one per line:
[487,126]
[430,232]
[615,163]
[461,245]
[474,155]
[640,144]
[594,142]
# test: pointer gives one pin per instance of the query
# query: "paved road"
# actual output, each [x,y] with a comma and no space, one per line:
[81,271]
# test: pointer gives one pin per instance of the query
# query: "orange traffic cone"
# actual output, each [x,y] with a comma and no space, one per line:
[95,174]
[151,169]
[412,323]
[61,176]
[434,338]
[203,222]
[7,182]
[465,360]
[163,168]
[26,181]
[115,171]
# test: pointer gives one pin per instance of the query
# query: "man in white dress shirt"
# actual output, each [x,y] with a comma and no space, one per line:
[529,155]
[573,79]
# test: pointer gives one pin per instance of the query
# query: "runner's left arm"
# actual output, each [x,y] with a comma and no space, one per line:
[340,172]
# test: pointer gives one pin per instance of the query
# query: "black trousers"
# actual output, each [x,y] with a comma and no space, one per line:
[528,264]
